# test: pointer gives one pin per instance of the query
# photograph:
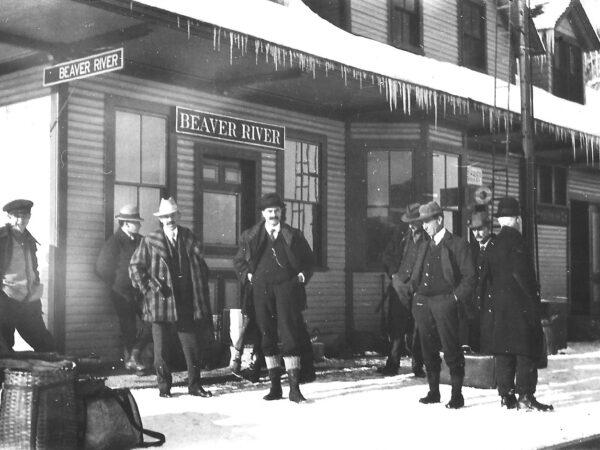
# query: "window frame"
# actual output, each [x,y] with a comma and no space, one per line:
[570,86]
[112,105]
[455,211]
[393,26]
[553,187]
[320,140]
[462,5]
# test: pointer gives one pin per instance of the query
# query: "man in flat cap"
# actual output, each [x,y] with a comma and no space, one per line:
[112,266]
[444,277]
[168,268]
[399,258]
[517,337]
[277,261]
[20,287]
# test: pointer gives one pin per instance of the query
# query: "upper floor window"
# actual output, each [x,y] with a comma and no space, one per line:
[405,24]
[552,185]
[568,71]
[389,190]
[140,160]
[472,34]
[333,11]
[302,191]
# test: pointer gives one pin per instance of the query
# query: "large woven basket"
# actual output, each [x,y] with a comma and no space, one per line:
[38,409]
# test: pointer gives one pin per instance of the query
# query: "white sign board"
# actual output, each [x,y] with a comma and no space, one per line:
[474,176]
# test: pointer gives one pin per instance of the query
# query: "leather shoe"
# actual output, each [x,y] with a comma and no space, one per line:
[528,402]
[419,373]
[508,401]
[387,371]
[165,394]
[431,397]
[200,392]
[456,401]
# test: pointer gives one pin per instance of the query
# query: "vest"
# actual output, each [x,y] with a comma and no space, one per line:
[432,279]
[273,266]
[409,259]
[19,272]
[181,274]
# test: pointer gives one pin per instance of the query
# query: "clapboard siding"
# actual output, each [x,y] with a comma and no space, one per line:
[552,254]
[369,18]
[21,86]
[440,30]
[445,136]
[367,291]
[585,183]
[86,201]
[485,162]
[386,131]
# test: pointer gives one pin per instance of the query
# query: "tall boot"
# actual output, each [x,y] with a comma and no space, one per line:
[275,392]
[528,402]
[433,396]
[456,400]
[295,394]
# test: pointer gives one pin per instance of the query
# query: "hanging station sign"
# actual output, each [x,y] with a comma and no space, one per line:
[198,123]
[84,67]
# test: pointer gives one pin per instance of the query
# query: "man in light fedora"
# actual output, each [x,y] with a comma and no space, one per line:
[277,262]
[112,266]
[517,336]
[444,277]
[169,269]
[399,258]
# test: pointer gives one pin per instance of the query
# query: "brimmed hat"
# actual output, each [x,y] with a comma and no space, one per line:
[129,213]
[167,206]
[508,207]
[479,219]
[19,204]
[429,210]
[271,200]
[411,214]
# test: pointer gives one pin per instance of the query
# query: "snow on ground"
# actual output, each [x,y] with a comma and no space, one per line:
[356,408]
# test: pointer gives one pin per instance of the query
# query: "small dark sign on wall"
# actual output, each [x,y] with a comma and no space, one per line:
[198,123]
[84,67]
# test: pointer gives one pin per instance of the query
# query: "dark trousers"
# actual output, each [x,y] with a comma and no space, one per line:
[26,318]
[521,367]
[277,315]
[437,321]
[129,314]
[415,349]
[161,333]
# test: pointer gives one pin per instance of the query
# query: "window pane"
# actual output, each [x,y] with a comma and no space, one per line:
[149,201]
[545,184]
[451,171]
[378,178]
[154,150]
[379,232]
[439,175]
[127,147]
[290,159]
[220,218]
[210,173]
[124,195]
[560,186]
[232,294]
[213,291]
[233,176]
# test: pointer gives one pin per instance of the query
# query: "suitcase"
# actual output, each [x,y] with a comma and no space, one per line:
[479,372]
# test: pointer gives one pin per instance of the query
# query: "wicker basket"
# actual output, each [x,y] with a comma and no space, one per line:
[38,409]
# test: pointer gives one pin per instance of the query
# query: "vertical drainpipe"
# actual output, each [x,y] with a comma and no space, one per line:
[348,266]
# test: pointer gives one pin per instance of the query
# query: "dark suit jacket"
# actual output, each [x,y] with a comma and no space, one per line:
[252,245]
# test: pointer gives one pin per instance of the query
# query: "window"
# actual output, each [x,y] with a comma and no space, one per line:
[552,185]
[333,11]
[405,24]
[568,71]
[472,29]
[445,172]
[140,160]
[302,191]
[389,190]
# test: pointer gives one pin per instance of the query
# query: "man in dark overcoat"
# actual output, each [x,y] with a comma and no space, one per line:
[399,258]
[445,276]
[168,268]
[20,287]
[277,261]
[517,330]
[112,266]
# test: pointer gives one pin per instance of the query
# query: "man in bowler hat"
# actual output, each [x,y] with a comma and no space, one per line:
[20,287]
[112,266]
[399,258]
[445,276]
[277,261]
[168,268]
[517,338]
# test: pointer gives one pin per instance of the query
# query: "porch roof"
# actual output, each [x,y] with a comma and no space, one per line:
[292,35]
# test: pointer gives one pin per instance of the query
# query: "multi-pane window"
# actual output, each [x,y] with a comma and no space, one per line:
[445,185]
[568,71]
[302,190]
[140,160]
[472,26]
[389,190]
[552,185]
[405,24]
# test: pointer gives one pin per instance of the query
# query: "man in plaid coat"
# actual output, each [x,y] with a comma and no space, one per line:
[169,270]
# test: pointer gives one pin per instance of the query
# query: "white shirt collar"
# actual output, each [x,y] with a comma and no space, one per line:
[171,234]
[439,236]
[276,229]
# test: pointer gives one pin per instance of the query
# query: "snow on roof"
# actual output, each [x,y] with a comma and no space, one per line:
[294,34]
[552,11]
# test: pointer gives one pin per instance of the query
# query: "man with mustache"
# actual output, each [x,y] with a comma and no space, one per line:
[277,261]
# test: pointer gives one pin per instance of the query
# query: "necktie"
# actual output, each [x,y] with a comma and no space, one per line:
[272,234]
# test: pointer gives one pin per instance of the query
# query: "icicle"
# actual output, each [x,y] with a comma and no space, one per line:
[188,29]
[178,26]
[214,35]
[231,38]
[131,5]
[435,110]
[573,145]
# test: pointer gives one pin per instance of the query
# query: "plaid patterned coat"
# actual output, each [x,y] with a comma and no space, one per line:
[149,272]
